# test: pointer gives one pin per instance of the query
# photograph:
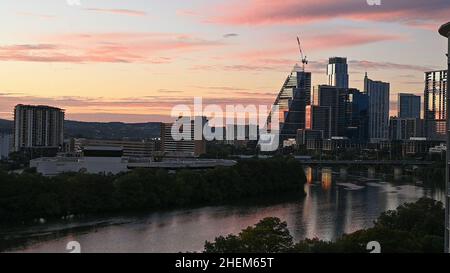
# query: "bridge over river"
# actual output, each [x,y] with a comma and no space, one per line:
[344,165]
[398,163]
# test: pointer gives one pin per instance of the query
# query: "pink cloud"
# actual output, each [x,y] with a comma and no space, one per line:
[315,66]
[256,12]
[127,12]
[364,64]
[318,42]
[106,47]
[283,58]
[348,39]
[148,108]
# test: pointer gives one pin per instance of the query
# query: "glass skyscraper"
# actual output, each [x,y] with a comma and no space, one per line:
[408,106]
[358,116]
[337,72]
[318,118]
[378,93]
[292,100]
[337,99]
[435,104]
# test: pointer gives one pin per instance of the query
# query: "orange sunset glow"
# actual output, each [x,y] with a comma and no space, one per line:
[132,61]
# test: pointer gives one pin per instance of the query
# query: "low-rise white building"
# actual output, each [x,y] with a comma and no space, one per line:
[98,160]
[109,160]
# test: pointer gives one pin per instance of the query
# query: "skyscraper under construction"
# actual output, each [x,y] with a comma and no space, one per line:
[294,96]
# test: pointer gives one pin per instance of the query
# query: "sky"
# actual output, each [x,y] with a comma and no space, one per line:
[133,60]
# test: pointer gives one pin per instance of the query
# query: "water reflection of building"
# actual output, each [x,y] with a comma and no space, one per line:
[309,175]
[327,179]
[327,214]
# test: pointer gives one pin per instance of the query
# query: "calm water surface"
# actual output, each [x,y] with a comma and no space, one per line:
[335,204]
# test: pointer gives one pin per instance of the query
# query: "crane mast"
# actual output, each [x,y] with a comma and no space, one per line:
[304,58]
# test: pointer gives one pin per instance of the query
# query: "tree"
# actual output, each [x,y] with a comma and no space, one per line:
[423,217]
[415,227]
[270,235]
[30,196]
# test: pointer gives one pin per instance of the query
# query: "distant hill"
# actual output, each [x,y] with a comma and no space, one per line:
[101,130]
[112,130]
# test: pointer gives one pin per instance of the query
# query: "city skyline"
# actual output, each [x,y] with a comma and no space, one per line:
[133,61]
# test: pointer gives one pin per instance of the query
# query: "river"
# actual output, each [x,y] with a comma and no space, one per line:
[335,204]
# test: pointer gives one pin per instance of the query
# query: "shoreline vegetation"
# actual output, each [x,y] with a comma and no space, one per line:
[28,197]
[411,228]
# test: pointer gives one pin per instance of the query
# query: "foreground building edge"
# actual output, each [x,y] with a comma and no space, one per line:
[445,31]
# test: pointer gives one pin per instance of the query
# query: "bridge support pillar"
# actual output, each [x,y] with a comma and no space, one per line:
[343,172]
[371,172]
[398,173]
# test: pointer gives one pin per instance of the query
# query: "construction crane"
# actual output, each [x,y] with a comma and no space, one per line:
[304,58]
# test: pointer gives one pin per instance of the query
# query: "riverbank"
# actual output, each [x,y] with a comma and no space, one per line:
[332,207]
[30,197]
[411,228]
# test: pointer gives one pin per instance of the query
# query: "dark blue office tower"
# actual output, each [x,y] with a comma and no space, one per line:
[357,116]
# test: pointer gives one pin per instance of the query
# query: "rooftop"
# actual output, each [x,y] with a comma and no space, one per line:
[39,107]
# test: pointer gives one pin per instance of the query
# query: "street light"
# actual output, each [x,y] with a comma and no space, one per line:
[444,30]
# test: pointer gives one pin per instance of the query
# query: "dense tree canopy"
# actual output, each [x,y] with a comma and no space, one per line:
[270,235]
[31,196]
